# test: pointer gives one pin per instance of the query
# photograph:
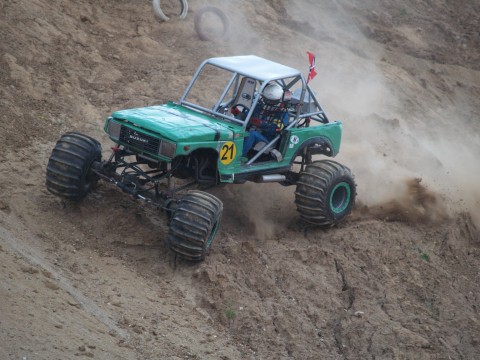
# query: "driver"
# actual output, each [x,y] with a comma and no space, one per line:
[269,117]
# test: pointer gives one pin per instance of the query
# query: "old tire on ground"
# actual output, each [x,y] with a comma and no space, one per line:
[157,10]
[325,193]
[194,225]
[202,31]
[69,173]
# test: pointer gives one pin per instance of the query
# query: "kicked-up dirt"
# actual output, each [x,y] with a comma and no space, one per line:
[399,279]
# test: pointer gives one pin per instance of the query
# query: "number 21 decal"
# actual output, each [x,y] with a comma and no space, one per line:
[228,152]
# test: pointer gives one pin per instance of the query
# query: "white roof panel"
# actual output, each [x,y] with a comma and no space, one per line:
[254,67]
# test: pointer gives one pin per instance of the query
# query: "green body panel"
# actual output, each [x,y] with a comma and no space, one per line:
[331,131]
[294,140]
[177,123]
[191,130]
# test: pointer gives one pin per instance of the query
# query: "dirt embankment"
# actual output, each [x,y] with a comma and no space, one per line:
[398,280]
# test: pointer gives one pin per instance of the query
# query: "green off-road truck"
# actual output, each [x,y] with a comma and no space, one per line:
[169,155]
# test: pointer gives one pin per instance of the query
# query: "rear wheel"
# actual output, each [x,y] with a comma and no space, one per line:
[194,224]
[325,193]
[69,169]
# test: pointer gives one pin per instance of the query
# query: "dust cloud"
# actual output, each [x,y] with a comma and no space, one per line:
[396,128]
[262,210]
[417,205]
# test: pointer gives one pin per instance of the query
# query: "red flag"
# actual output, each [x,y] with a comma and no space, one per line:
[311,73]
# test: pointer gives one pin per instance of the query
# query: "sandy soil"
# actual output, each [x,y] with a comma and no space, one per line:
[398,280]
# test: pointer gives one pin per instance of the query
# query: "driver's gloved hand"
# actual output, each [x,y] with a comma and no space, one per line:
[235,111]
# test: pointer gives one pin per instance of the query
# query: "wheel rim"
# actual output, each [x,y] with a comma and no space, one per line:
[211,236]
[340,197]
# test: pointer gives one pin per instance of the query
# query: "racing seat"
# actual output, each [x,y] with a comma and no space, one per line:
[245,94]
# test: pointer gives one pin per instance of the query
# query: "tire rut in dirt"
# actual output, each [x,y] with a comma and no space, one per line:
[69,172]
[325,193]
[194,225]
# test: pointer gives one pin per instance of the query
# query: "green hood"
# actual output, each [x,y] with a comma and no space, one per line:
[177,123]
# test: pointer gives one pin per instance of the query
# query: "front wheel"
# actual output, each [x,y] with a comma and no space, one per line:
[69,169]
[194,224]
[325,193]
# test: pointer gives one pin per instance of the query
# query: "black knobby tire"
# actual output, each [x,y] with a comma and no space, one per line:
[325,193]
[194,225]
[203,32]
[69,173]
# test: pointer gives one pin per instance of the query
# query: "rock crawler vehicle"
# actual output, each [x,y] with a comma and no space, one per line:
[169,155]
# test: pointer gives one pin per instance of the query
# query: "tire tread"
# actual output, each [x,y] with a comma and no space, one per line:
[191,225]
[69,164]
[312,188]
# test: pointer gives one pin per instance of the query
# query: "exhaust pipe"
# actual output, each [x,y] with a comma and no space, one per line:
[272,178]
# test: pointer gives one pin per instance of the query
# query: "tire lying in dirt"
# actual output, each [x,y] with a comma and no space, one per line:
[157,10]
[325,193]
[194,224]
[69,173]
[208,34]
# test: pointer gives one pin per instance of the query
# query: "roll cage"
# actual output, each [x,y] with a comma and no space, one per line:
[303,105]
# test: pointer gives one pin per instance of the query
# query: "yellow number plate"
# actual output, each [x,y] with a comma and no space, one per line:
[228,152]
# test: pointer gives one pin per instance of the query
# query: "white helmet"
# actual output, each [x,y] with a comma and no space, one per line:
[273,93]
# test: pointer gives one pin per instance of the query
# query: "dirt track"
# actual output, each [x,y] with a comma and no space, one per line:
[398,280]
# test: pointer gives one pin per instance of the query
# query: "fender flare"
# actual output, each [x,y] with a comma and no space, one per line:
[157,10]
[319,145]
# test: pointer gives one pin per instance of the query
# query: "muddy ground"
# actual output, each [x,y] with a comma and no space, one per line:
[399,279]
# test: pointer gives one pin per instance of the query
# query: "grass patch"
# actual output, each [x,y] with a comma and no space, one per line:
[229,312]
[434,311]
[424,256]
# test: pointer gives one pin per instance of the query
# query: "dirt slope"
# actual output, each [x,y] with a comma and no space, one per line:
[398,280]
